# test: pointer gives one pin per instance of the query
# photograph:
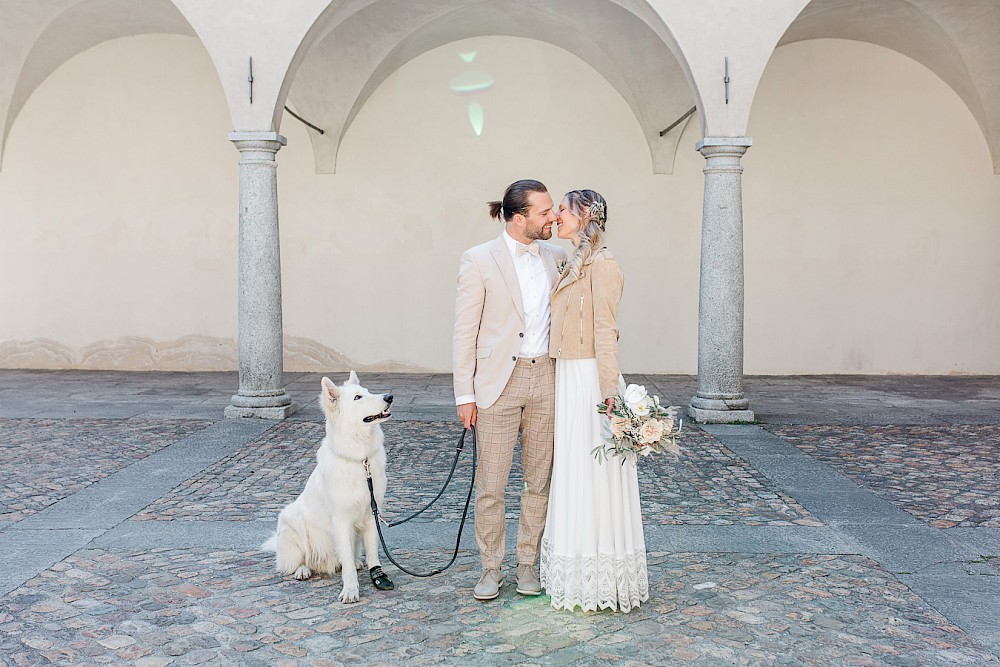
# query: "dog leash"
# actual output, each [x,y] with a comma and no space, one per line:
[461,525]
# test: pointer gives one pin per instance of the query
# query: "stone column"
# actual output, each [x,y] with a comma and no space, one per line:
[720,396]
[261,394]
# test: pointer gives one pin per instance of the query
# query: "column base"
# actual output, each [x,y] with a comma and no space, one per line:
[270,405]
[279,413]
[720,411]
[720,416]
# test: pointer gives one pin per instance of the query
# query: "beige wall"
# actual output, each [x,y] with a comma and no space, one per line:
[871,214]
[872,219]
[118,204]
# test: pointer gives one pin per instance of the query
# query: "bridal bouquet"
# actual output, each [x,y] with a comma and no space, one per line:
[637,425]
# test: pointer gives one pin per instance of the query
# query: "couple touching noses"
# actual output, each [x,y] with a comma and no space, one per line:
[535,349]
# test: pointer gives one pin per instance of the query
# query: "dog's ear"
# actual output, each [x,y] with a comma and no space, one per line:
[354,378]
[330,388]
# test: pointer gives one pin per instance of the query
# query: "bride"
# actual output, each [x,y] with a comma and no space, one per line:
[593,553]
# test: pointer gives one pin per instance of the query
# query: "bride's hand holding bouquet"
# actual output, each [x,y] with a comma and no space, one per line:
[637,425]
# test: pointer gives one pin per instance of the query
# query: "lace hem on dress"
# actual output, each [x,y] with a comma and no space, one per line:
[597,582]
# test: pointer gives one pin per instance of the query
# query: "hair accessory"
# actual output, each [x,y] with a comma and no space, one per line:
[596,212]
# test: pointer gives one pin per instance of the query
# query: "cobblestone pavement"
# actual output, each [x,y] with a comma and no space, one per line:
[195,606]
[946,475]
[46,460]
[709,485]
[857,527]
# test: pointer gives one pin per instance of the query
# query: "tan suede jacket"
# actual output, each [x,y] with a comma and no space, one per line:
[585,318]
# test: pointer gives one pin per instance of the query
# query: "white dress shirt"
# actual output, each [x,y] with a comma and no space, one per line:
[535,288]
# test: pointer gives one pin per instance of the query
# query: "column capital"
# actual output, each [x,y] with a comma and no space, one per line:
[257,141]
[248,135]
[707,142]
[729,149]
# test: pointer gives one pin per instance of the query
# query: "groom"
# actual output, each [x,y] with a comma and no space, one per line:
[504,377]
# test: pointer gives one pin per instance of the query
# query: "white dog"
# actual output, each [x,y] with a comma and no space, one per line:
[320,530]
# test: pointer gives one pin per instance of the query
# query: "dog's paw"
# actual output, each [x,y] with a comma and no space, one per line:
[302,573]
[350,594]
[358,565]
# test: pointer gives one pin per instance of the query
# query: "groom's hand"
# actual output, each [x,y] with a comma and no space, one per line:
[467,412]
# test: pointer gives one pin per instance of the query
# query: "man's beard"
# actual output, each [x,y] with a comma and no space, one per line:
[538,234]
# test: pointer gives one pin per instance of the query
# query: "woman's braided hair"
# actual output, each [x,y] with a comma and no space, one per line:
[592,210]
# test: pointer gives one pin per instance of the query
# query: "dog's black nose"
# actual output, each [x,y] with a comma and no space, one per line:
[387,398]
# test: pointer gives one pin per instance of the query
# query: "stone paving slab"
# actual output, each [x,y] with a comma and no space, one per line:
[855,399]
[708,486]
[26,552]
[801,399]
[986,541]
[197,606]
[46,460]
[948,476]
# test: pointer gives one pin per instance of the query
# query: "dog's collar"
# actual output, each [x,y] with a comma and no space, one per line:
[351,459]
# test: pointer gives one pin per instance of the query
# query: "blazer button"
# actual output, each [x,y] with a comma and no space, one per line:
[521,335]
[513,358]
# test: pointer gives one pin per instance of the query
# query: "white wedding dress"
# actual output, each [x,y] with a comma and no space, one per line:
[593,554]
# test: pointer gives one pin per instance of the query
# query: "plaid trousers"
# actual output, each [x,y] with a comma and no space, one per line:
[526,406]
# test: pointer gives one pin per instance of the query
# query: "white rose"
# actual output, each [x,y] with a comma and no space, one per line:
[637,400]
[651,431]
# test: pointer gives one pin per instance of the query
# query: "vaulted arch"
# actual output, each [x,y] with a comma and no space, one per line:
[958,42]
[360,49]
[38,37]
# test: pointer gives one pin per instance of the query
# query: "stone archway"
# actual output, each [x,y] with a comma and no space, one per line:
[41,36]
[956,42]
[356,55]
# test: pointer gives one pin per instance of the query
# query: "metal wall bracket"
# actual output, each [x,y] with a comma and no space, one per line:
[679,120]
[726,80]
[303,120]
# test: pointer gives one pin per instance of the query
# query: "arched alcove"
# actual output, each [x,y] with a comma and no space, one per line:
[956,42]
[361,44]
[117,194]
[41,36]
[870,218]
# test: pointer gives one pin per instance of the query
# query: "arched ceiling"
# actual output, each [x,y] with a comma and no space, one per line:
[340,51]
[958,41]
[349,62]
[37,37]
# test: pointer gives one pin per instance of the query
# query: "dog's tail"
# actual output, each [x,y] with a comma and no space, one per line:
[271,544]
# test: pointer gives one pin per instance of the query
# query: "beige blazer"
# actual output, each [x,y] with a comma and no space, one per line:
[489,318]
[585,318]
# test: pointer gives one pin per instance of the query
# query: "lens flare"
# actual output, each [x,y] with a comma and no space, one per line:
[476,118]
[471,82]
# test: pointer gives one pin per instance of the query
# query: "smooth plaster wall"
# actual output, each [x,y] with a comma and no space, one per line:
[868,236]
[118,213]
[872,219]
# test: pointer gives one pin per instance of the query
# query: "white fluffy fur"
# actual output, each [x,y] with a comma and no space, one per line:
[327,524]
